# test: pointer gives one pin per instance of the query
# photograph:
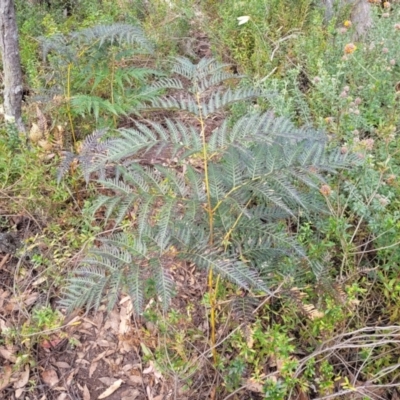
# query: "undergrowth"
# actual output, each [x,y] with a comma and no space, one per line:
[282,187]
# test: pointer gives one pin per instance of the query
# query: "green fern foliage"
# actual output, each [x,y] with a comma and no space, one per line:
[220,200]
[99,71]
[99,35]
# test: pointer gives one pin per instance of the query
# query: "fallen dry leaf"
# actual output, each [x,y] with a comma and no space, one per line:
[7,354]
[86,393]
[62,364]
[254,386]
[71,376]
[5,377]
[125,318]
[98,319]
[23,378]
[107,380]
[92,368]
[113,321]
[4,260]
[124,300]
[111,389]
[148,370]
[18,392]
[135,379]
[131,396]
[50,344]
[127,367]
[82,361]
[49,377]
[31,299]
[99,357]
[3,324]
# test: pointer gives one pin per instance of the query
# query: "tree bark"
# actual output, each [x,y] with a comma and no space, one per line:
[360,14]
[11,64]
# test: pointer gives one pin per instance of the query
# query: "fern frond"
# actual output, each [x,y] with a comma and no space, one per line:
[134,283]
[195,180]
[108,252]
[144,215]
[86,289]
[209,67]
[115,285]
[183,67]
[58,43]
[131,244]
[65,164]
[164,221]
[171,103]
[222,99]
[176,181]
[216,78]
[164,283]
[268,195]
[117,32]
[168,83]
[88,104]
[243,307]
[231,269]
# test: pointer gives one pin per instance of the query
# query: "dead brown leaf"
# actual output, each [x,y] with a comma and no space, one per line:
[115,386]
[31,299]
[23,378]
[49,377]
[71,376]
[107,380]
[62,364]
[99,356]
[92,368]
[135,379]
[7,354]
[149,394]
[86,393]
[131,394]
[113,321]
[98,319]
[254,386]
[5,377]
[4,260]
[125,318]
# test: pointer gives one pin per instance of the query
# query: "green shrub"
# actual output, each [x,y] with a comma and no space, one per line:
[216,199]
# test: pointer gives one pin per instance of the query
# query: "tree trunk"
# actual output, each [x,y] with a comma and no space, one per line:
[360,14]
[11,64]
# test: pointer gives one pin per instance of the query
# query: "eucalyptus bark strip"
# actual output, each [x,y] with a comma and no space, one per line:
[12,73]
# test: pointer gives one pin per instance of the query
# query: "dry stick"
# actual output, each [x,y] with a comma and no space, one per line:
[339,341]
[357,390]
[356,341]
